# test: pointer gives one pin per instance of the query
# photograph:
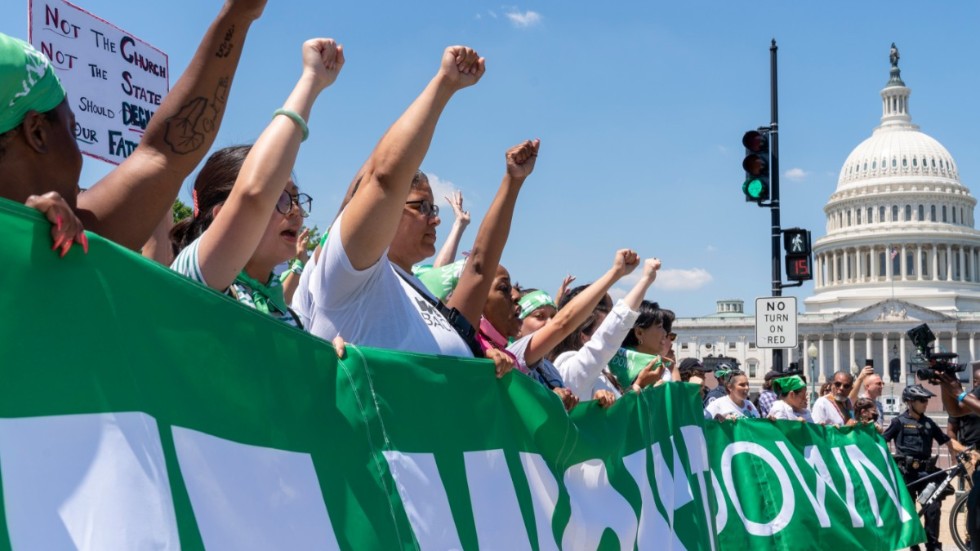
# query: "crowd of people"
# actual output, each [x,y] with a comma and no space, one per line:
[367,281]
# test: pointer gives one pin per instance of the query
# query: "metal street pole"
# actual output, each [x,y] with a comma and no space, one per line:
[777,270]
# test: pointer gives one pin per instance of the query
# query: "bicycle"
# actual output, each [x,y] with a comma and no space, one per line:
[937,490]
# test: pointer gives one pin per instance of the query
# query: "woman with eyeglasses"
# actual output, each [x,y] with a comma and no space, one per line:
[791,404]
[736,405]
[361,286]
[651,334]
[248,212]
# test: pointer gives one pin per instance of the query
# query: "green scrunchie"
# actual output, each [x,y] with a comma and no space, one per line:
[534,300]
[785,385]
[27,82]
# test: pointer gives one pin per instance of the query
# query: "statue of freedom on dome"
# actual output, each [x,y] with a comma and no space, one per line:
[893,55]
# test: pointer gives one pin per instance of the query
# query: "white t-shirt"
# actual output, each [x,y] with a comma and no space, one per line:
[543,372]
[825,412]
[782,410]
[582,369]
[302,303]
[725,407]
[375,306]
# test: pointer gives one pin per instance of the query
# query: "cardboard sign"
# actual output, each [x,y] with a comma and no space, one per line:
[115,81]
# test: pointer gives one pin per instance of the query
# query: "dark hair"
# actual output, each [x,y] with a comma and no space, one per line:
[650,314]
[574,340]
[863,404]
[211,188]
[727,379]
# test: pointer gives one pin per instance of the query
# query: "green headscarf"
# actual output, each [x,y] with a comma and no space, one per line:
[534,300]
[440,281]
[264,294]
[27,82]
[785,385]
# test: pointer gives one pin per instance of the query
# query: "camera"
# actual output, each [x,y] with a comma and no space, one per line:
[939,362]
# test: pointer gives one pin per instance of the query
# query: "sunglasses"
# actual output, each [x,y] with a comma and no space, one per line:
[672,336]
[923,400]
[426,207]
[845,386]
[286,201]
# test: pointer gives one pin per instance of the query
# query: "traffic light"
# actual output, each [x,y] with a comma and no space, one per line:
[756,165]
[796,243]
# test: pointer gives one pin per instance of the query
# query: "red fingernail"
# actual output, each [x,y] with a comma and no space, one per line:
[57,243]
[84,242]
[57,222]
[65,248]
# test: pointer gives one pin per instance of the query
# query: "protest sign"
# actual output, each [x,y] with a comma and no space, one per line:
[115,81]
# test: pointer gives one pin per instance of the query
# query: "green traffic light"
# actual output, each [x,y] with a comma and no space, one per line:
[755,190]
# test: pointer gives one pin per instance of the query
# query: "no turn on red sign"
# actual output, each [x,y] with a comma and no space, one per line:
[775,322]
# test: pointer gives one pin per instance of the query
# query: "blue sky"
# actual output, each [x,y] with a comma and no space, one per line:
[640,108]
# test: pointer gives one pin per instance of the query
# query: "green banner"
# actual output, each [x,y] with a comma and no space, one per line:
[141,410]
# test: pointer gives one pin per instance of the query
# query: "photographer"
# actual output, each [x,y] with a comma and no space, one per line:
[913,434]
[960,403]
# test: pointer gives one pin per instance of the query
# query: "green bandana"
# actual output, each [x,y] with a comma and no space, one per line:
[627,364]
[27,82]
[534,300]
[442,280]
[264,295]
[784,385]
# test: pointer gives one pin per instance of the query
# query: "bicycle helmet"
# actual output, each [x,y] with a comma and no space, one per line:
[915,391]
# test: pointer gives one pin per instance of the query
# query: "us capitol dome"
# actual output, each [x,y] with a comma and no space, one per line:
[900,224]
[900,250]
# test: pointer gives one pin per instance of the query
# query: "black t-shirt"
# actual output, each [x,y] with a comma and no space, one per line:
[968,426]
[913,437]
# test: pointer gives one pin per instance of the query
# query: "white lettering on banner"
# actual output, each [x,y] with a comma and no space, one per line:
[824,481]
[92,481]
[864,466]
[496,512]
[697,456]
[789,499]
[721,519]
[544,496]
[818,502]
[424,498]
[596,506]
[252,497]
[856,520]
[654,532]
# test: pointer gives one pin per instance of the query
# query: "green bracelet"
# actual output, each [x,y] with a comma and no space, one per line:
[295,118]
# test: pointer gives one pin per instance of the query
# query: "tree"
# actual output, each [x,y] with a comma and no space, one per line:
[181,211]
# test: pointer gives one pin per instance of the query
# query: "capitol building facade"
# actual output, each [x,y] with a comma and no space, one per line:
[900,250]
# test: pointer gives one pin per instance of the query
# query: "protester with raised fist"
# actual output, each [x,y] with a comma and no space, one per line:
[40,162]
[361,286]
[534,348]
[582,357]
[248,213]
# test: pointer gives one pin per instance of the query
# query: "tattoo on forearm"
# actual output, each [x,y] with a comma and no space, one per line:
[217,104]
[186,131]
[224,49]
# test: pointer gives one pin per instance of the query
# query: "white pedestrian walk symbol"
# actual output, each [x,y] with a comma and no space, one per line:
[797,243]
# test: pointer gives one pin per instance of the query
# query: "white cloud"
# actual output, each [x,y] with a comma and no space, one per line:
[440,189]
[711,249]
[668,280]
[523,20]
[683,280]
[796,174]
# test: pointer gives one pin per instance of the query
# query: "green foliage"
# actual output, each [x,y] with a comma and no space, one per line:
[181,211]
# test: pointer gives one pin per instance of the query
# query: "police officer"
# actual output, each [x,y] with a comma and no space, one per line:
[913,434]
